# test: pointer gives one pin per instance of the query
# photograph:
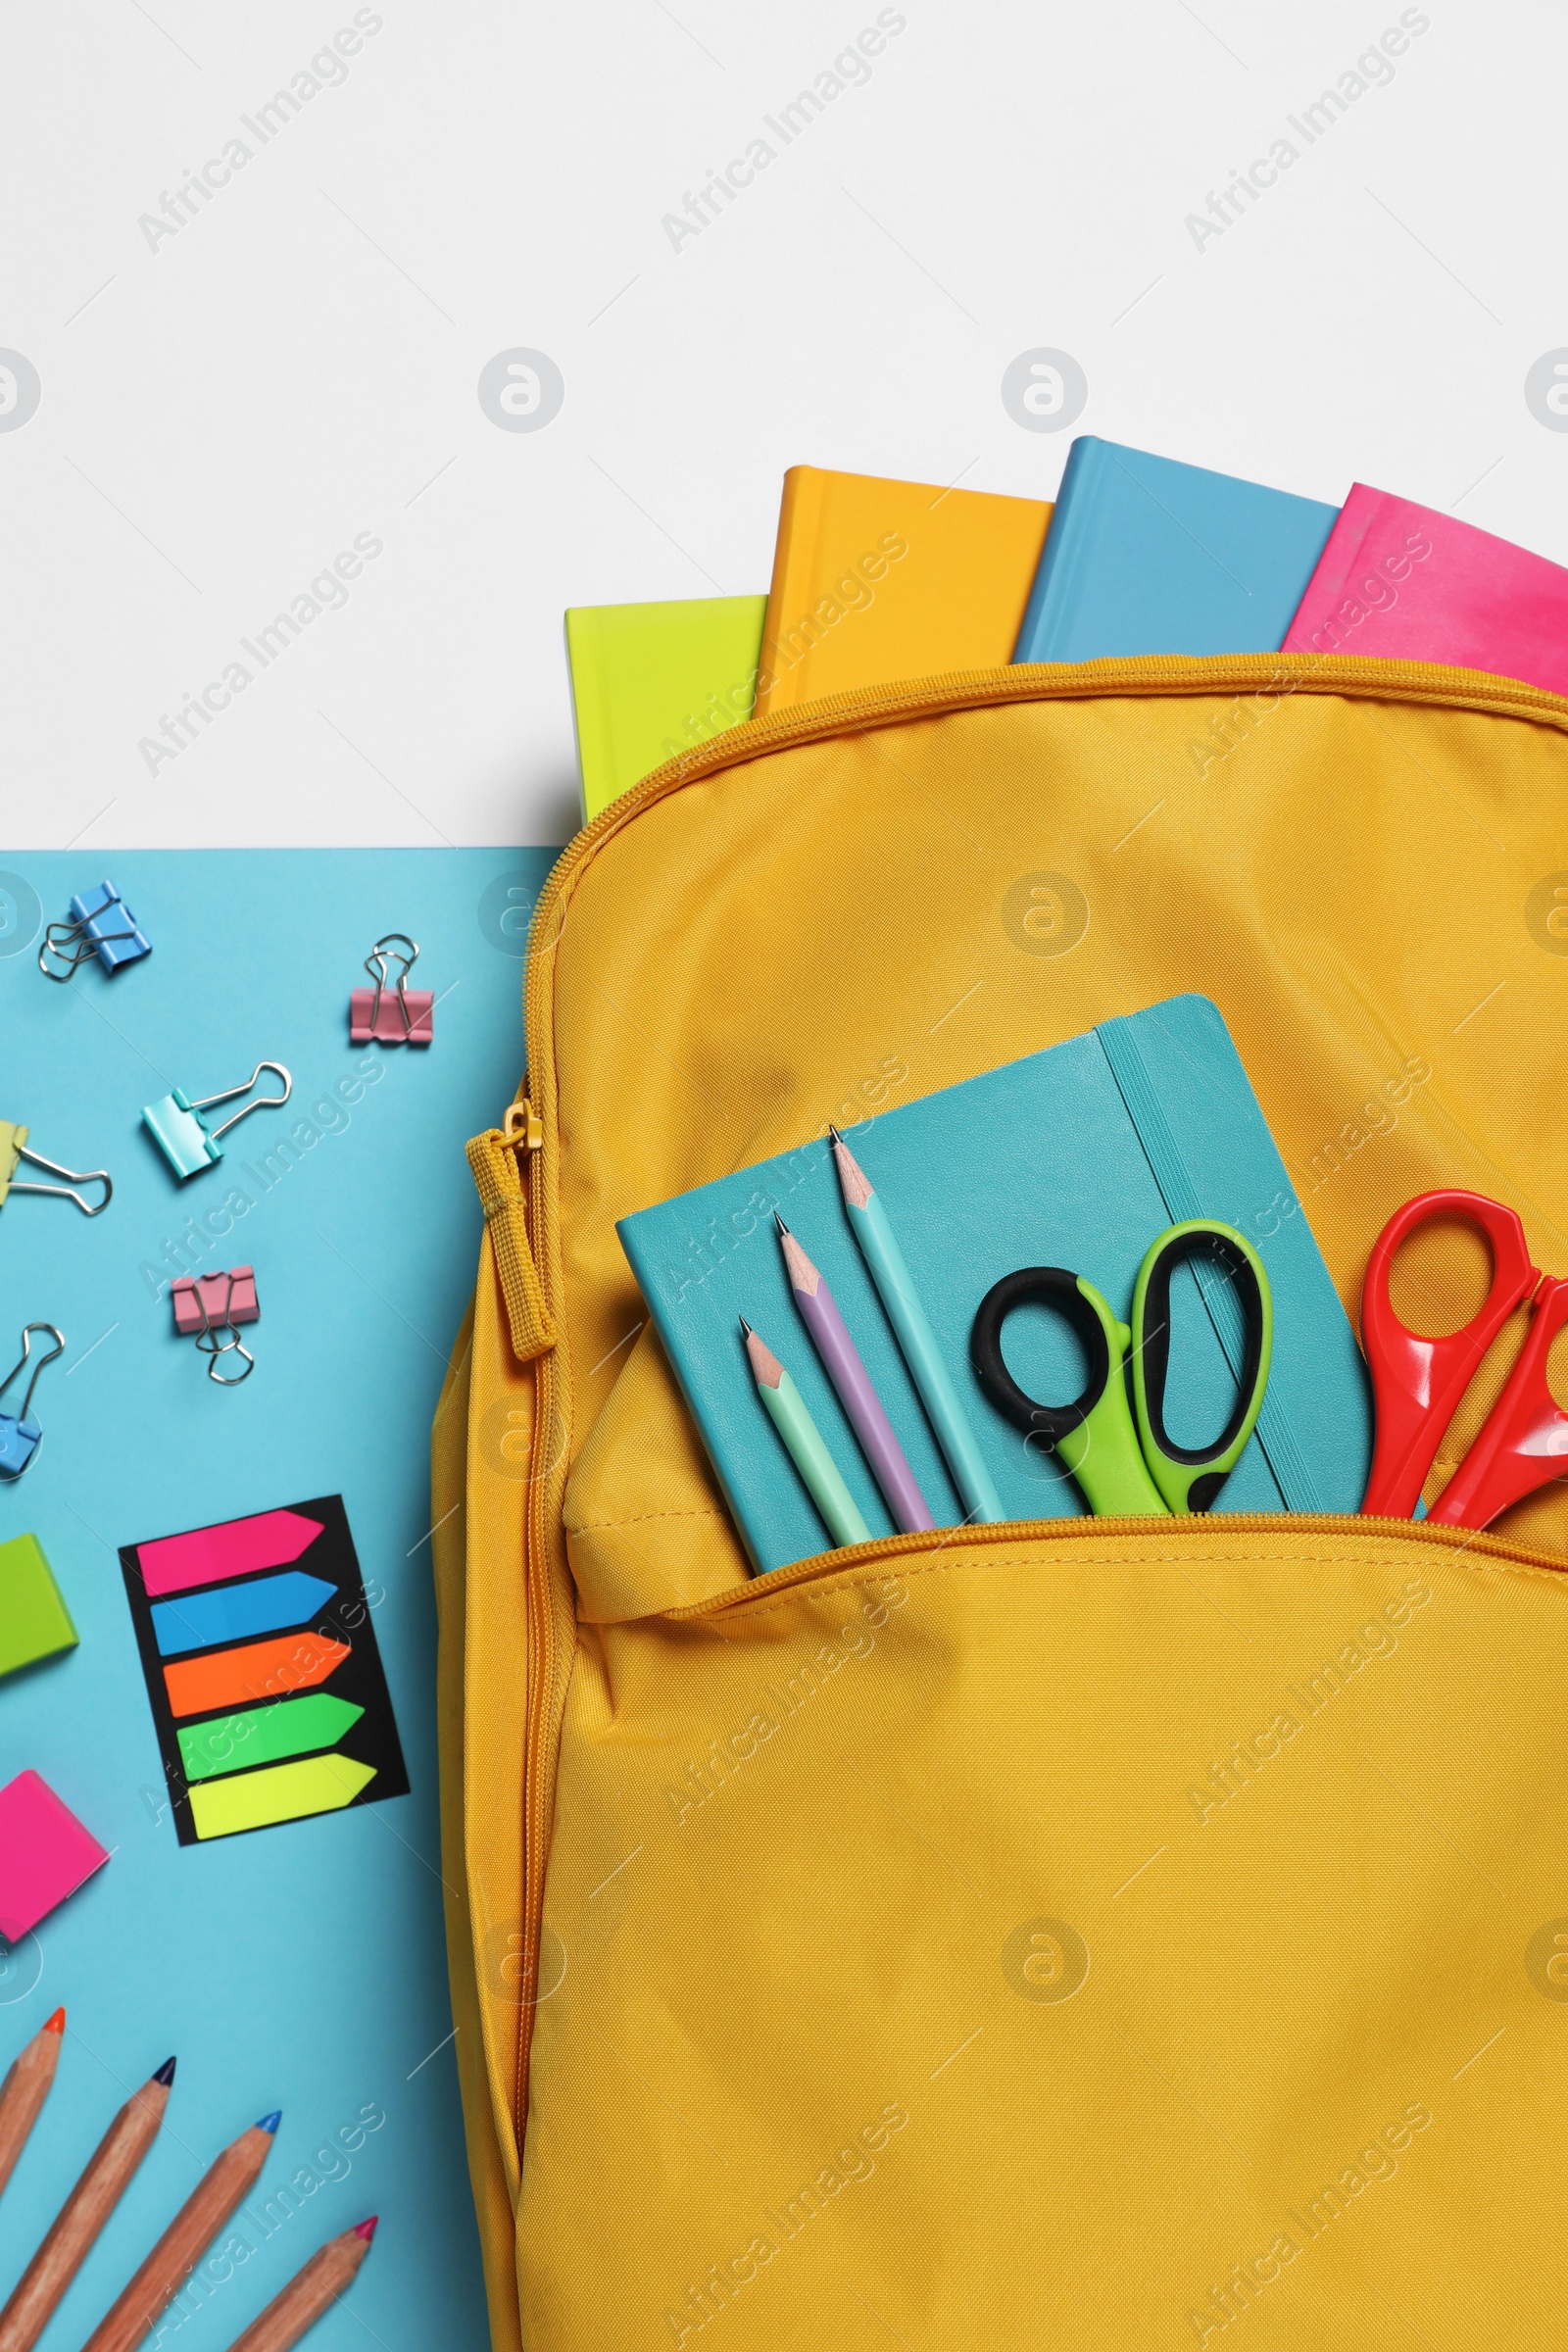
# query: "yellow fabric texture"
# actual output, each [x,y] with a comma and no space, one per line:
[1084,1932]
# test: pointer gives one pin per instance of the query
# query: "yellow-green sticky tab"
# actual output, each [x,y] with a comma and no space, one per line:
[34,1622]
[253,1800]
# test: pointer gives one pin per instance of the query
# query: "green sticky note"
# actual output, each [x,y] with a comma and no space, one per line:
[291,1727]
[253,1801]
[34,1622]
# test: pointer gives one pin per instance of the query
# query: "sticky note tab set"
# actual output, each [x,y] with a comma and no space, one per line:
[242,1627]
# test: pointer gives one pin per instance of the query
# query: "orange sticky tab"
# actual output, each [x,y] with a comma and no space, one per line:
[235,1678]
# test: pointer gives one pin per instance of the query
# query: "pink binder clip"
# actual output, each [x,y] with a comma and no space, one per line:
[211,1305]
[403,1018]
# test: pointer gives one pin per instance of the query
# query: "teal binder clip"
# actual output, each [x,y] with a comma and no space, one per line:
[179,1129]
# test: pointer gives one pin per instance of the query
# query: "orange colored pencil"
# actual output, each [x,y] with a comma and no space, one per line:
[27,2086]
[226,2180]
[308,2293]
[84,2213]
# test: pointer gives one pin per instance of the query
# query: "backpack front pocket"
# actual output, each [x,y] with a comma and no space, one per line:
[1091,1933]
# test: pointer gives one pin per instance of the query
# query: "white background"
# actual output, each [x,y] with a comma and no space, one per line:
[221,413]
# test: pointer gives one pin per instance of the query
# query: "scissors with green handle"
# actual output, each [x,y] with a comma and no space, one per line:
[1121,1454]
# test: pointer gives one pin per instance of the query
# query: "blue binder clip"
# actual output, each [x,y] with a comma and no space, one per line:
[18,1432]
[177,1126]
[101,924]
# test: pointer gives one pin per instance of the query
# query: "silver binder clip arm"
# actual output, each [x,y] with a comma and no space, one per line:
[375,964]
[73,947]
[65,1191]
[207,1341]
[24,1436]
[261,1102]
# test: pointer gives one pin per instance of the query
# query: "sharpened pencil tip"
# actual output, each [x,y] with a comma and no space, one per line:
[269,2122]
[165,2072]
[834,1132]
[55,2023]
[746,1327]
[854,1182]
[367,2230]
[779,1222]
[766,1370]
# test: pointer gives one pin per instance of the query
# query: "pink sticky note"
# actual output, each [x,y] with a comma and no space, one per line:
[235,1548]
[45,1854]
[228,1298]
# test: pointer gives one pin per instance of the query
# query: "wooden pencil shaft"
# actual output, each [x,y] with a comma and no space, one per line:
[223,2185]
[306,2295]
[27,2086]
[83,2214]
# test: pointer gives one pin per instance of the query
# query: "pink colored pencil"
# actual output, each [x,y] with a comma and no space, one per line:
[841,1360]
[309,2293]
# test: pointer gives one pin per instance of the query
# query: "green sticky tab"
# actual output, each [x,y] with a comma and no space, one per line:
[253,1800]
[290,1727]
[34,1622]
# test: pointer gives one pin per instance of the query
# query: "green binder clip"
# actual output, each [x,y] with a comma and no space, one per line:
[179,1129]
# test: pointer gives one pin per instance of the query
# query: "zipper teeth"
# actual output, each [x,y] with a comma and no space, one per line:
[885,1549]
[839,713]
[538,1712]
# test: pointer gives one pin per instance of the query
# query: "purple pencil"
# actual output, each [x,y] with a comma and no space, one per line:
[850,1379]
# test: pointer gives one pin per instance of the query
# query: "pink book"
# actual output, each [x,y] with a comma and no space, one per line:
[1405,584]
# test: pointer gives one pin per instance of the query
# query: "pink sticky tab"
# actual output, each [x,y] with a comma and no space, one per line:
[391,1029]
[235,1548]
[228,1298]
[45,1854]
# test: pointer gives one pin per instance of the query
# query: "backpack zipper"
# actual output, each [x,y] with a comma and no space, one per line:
[887,1551]
[550,1608]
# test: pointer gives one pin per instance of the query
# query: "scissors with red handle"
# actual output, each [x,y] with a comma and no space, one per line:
[1417,1382]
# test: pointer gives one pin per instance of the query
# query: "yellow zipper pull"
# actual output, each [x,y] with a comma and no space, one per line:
[523,1129]
[495,1158]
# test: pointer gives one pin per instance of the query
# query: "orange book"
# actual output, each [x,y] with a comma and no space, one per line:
[876,582]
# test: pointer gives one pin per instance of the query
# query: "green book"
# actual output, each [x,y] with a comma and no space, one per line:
[649,681]
[34,1622]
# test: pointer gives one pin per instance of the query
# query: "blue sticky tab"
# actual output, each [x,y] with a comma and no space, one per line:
[179,1134]
[108,922]
[19,1441]
[265,1606]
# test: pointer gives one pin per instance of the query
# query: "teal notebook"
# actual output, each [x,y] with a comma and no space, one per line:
[1076,1157]
[1148,555]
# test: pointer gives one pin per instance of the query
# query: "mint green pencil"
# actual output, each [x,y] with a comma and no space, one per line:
[804,1441]
[880,1247]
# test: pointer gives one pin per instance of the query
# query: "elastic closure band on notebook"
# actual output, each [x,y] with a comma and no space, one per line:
[1180,1197]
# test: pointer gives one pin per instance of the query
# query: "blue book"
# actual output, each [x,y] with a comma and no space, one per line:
[1148,555]
[1077,1156]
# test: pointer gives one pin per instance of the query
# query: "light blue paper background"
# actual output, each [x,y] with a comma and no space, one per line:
[302,1967]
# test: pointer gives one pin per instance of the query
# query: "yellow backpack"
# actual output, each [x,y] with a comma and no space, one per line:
[1082,1933]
